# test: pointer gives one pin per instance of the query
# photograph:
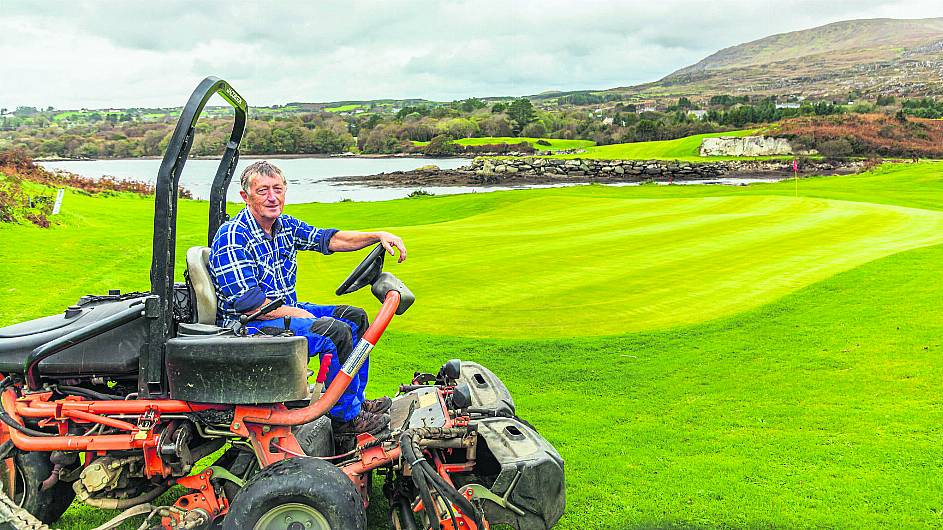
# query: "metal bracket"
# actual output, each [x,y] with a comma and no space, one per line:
[223,473]
[483,493]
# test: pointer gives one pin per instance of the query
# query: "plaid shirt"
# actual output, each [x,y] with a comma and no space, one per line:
[249,265]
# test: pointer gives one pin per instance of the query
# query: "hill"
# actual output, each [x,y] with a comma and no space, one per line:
[866,57]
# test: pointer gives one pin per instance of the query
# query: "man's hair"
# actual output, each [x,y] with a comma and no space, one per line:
[262,168]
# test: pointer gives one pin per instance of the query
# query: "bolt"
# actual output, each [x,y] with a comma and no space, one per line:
[288,519]
[235,425]
[266,428]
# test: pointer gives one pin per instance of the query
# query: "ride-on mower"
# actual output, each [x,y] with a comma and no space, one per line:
[117,398]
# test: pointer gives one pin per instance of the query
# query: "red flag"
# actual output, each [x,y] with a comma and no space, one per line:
[795,165]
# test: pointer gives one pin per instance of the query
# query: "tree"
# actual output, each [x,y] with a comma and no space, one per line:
[472,104]
[441,145]
[521,111]
[498,108]
[534,129]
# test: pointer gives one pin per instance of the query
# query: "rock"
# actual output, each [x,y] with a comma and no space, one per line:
[619,170]
[745,146]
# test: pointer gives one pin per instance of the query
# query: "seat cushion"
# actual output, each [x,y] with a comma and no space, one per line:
[198,259]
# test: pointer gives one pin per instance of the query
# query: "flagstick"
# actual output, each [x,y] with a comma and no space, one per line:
[795,172]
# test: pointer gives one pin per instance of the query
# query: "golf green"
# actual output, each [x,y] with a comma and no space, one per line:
[564,266]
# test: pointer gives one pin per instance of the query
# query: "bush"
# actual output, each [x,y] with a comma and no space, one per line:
[836,148]
[419,193]
[441,146]
[17,205]
[543,143]
[534,130]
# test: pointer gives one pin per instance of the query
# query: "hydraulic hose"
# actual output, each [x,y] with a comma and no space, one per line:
[425,477]
[85,392]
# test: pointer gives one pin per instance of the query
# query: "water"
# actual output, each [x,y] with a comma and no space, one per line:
[306,176]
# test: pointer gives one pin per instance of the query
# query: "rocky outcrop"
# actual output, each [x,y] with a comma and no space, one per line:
[745,146]
[586,170]
[553,171]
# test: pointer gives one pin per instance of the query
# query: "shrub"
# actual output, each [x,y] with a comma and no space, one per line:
[836,148]
[441,146]
[543,143]
[419,193]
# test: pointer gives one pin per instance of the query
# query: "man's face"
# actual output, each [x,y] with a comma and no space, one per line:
[266,197]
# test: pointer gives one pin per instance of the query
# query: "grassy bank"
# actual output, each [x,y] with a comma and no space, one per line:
[687,148]
[701,356]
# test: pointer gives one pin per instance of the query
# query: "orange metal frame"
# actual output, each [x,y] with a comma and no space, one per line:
[268,428]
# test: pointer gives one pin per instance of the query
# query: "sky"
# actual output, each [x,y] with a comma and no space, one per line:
[99,54]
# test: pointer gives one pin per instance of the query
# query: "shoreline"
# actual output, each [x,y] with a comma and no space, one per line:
[461,178]
[280,156]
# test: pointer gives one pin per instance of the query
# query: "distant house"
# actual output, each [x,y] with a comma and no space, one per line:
[787,105]
[697,114]
[645,108]
[607,121]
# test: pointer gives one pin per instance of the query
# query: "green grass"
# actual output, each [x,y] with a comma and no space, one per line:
[556,144]
[701,356]
[343,108]
[687,148]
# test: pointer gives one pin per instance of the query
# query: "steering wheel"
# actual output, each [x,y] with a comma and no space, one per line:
[365,273]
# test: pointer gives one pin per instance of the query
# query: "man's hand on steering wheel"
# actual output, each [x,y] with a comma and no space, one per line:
[389,242]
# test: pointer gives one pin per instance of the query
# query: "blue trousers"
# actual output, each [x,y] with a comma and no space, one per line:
[335,329]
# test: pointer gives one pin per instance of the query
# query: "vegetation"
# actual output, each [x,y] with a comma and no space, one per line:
[379,130]
[867,135]
[26,189]
[765,356]
[308,133]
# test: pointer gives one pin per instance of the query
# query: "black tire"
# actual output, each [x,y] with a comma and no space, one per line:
[30,470]
[316,437]
[312,487]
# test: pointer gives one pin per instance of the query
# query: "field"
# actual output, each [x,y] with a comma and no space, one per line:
[343,108]
[687,148]
[702,356]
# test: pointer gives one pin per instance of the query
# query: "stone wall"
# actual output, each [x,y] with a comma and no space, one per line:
[586,170]
[745,146]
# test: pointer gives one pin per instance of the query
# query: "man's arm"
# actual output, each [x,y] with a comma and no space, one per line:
[348,240]
[281,312]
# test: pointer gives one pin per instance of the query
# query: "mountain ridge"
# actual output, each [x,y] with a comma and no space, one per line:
[867,56]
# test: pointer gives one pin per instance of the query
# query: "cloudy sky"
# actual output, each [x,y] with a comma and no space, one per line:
[98,54]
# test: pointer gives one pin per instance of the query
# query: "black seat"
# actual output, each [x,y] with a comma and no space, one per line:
[114,353]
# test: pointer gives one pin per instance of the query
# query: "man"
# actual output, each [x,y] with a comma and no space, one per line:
[253,261]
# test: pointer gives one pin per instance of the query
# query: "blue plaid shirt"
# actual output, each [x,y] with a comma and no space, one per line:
[249,265]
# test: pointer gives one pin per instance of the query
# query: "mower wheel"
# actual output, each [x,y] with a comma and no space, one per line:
[297,494]
[30,469]
[316,437]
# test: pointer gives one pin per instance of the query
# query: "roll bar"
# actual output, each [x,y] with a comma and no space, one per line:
[165,211]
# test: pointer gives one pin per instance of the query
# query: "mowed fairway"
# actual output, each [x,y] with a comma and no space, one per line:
[563,266]
[702,356]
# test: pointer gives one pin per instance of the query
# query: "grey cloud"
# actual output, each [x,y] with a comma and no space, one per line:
[144,53]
